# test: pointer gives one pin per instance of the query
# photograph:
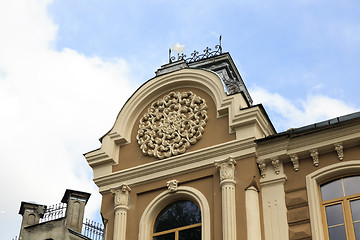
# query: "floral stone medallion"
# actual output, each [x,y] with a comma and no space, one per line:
[172,124]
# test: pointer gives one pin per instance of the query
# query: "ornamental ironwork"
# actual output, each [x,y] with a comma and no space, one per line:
[172,124]
[197,56]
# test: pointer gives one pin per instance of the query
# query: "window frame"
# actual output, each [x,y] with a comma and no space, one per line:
[165,198]
[175,230]
[313,181]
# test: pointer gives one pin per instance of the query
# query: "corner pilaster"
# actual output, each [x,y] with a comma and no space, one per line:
[227,182]
[121,202]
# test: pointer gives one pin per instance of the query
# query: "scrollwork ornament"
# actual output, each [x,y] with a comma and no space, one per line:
[315,156]
[172,124]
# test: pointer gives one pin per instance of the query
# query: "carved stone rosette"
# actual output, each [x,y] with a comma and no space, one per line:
[172,124]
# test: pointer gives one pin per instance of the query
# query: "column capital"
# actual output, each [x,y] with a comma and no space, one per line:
[226,168]
[121,195]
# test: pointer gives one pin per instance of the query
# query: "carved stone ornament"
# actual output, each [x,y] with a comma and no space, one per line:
[339,149]
[172,185]
[276,164]
[295,161]
[262,167]
[315,156]
[226,168]
[121,195]
[172,124]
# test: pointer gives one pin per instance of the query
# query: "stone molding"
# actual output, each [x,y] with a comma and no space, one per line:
[307,146]
[186,162]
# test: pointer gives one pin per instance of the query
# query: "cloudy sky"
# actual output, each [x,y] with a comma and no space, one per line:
[68,66]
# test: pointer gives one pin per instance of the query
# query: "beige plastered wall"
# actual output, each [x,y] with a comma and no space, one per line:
[206,181]
[216,132]
[295,189]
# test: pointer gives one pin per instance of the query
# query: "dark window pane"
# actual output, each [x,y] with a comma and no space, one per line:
[177,214]
[169,236]
[337,233]
[190,234]
[334,215]
[331,190]
[357,230]
[352,185]
[355,210]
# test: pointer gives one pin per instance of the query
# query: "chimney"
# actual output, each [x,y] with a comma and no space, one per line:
[76,202]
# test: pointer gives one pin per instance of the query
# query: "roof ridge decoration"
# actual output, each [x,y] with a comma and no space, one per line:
[195,55]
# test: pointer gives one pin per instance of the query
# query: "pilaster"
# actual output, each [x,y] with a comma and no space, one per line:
[227,182]
[121,202]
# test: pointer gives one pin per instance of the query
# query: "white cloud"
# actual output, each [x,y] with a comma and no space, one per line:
[286,114]
[54,106]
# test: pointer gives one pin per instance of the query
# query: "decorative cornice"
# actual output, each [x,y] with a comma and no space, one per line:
[295,161]
[162,169]
[339,150]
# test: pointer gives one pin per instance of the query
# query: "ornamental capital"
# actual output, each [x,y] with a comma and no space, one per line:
[226,168]
[121,195]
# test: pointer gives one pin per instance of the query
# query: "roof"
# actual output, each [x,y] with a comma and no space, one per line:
[314,127]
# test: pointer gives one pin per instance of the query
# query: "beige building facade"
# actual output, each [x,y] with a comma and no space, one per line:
[190,157]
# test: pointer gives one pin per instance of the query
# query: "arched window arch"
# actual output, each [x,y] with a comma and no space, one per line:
[164,200]
[179,220]
[314,182]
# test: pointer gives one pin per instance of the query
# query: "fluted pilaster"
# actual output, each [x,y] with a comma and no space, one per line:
[121,202]
[227,182]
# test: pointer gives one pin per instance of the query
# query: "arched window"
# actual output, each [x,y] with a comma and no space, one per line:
[179,220]
[340,201]
[187,202]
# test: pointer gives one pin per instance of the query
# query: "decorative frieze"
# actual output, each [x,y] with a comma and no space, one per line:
[339,150]
[172,124]
[315,156]
[276,164]
[295,161]
[172,185]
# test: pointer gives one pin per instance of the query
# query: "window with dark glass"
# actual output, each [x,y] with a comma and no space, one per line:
[340,200]
[180,220]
